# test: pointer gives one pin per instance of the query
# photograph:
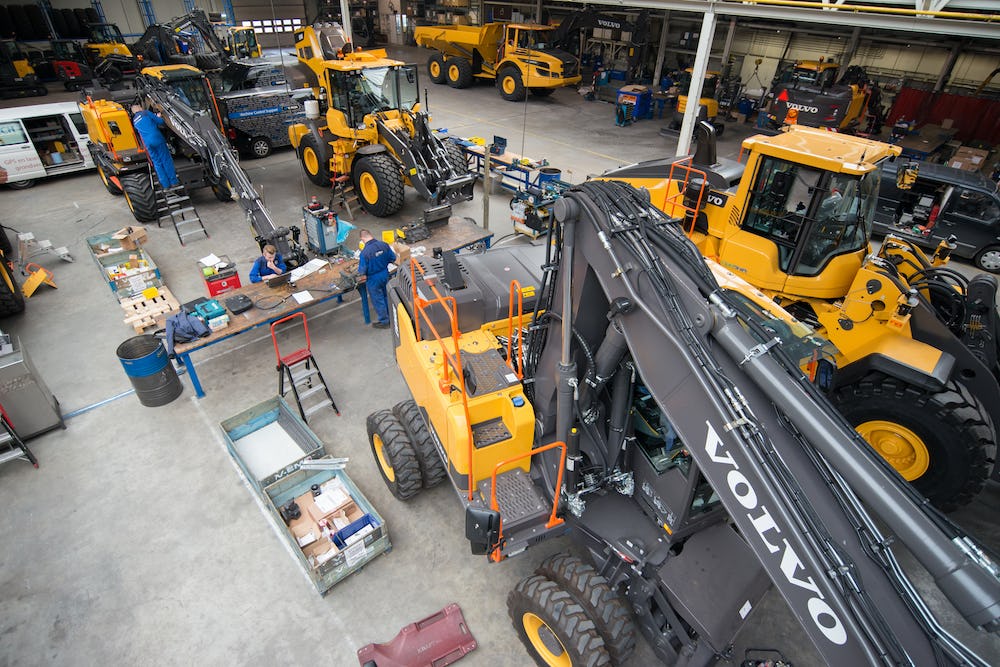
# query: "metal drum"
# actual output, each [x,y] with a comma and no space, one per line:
[147,366]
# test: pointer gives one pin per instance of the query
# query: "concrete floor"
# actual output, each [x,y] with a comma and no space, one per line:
[138,542]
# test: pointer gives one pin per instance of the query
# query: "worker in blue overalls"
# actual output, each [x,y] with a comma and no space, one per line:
[148,125]
[374,263]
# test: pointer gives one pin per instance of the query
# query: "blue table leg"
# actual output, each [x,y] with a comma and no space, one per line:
[363,293]
[195,382]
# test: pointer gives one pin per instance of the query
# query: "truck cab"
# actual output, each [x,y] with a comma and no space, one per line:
[943,202]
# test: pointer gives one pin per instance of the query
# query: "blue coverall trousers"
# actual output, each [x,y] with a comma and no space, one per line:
[163,163]
[379,296]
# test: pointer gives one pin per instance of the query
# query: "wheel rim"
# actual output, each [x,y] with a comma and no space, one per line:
[310,160]
[545,642]
[990,260]
[383,462]
[260,148]
[104,177]
[453,73]
[128,200]
[901,447]
[369,188]
[435,69]
[509,85]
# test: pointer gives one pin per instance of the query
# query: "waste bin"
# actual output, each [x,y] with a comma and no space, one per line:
[149,369]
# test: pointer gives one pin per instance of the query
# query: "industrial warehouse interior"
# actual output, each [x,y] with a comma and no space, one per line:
[500,333]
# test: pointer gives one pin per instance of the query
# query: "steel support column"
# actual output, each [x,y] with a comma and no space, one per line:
[661,51]
[705,39]
[345,15]
[947,69]
[852,47]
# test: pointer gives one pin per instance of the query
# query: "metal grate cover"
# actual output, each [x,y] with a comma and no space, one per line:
[489,432]
[489,369]
[519,499]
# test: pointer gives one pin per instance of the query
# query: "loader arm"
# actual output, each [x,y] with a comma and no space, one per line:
[793,475]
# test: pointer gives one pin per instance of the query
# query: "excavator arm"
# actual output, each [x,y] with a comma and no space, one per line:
[797,482]
[199,131]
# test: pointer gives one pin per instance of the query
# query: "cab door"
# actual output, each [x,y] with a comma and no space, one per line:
[19,160]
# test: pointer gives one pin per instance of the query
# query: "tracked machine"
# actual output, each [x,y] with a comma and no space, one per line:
[374,133]
[615,386]
[915,344]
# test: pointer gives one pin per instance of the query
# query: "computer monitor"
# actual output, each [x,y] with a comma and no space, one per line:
[279,280]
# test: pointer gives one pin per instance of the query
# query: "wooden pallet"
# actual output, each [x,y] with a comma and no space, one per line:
[141,313]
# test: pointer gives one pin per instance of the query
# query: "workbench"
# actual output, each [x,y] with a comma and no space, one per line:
[926,142]
[321,284]
[458,234]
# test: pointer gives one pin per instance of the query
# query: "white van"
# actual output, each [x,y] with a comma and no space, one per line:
[42,140]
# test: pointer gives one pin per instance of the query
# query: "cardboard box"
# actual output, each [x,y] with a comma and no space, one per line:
[969,159]
[402,251]
[633,88]
[131,238]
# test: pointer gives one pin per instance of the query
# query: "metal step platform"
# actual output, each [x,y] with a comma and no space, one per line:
[521,502]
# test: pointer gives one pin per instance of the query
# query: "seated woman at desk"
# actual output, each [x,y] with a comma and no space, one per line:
[268,264]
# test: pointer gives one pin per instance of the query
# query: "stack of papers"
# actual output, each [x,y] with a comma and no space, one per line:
[311,266]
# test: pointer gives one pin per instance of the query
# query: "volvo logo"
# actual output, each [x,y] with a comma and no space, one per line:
[802,107]
[770,535]
[716,199]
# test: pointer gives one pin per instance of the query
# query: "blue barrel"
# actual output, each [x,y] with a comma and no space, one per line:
[546,174]
[149,369]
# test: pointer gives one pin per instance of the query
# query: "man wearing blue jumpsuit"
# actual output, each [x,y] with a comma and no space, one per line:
[374,265]
[148,125]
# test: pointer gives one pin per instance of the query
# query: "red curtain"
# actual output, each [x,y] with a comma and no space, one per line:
[976,119]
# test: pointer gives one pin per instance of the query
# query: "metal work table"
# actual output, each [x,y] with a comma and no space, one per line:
[459,233]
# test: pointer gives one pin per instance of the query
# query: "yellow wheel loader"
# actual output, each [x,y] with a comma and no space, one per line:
[915,368]
[374,132]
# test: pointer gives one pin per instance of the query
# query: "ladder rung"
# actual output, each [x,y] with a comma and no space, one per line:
[181,211]
[316,388]
[298,378]
[319,406]
[5,437]
[13,454]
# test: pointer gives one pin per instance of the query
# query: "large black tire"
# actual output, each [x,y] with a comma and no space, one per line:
[222,192]
[22,185]
[510,85]
[458,72]
[394,455]
[6,245]
[19,21]
[456,158]
[542,92]
[81,18]
[73,28]
[940,442]
[11,298]
[988,259]
[140,196]
[317,169]
[59,23]
[553,626]
[182,59]
[39,28]
[92,16]
[109,185]
[6,26]
[591,591]
[379,184]
[206,61]
[435,68]
[432,470]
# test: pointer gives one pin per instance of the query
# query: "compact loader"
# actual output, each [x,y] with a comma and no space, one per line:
[915,368]
[612,386]
[375,134]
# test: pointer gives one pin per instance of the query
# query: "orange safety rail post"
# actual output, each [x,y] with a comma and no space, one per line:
[553,519]
[274,338]
[420,306]
[672,200]
[515,286]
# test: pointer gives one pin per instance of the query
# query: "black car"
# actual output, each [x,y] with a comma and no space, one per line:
[943,202]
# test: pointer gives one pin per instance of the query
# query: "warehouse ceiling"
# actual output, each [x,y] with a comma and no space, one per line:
[972,19]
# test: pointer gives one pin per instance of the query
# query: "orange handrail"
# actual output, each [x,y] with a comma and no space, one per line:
[515,285]
[672,200]
[420,306]
[553,519]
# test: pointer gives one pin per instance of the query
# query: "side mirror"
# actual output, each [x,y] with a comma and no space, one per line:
[482,529]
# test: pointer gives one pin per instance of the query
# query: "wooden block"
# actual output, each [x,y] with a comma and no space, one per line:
[141,313]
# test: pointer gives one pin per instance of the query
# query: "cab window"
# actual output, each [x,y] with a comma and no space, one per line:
[975,204]
[78,123]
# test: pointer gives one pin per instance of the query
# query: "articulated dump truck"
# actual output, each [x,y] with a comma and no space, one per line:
[515,55]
